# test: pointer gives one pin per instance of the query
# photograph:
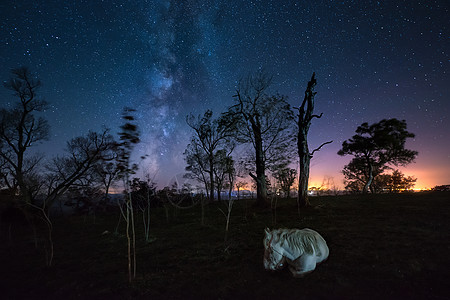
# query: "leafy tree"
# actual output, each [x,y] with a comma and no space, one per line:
[285,178]
[143,192]
[129,136]
[210,136]
[441,188]
[398,182]
[20,129]
[265,122]
[392,183]
[305,116]
[356,175]
[198,164]
[375,147]
[224,170]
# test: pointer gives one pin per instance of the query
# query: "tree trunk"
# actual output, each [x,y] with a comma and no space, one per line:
[369,179]
[211,178]
[303,180]
[219,197]
[202,203]
[261,186]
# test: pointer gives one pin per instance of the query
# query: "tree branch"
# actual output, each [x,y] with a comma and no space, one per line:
[318,149]
[317,116]
[253,176]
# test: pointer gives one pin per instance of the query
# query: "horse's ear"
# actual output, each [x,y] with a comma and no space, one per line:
[267,230]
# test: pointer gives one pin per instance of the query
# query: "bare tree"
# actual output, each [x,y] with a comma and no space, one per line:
[107,172]
[263,121]
[20,129]
[305,116]
[64,172]
[83,153]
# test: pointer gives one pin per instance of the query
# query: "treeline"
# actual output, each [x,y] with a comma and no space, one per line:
[273,132]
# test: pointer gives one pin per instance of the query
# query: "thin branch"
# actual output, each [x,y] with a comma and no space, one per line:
[317,116]
[318,149]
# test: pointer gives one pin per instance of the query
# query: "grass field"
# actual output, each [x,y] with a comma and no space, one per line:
[381,247]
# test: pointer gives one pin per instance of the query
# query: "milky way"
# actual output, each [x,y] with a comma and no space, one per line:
[373,60]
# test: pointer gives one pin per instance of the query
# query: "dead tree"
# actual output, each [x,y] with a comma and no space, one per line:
[305,115]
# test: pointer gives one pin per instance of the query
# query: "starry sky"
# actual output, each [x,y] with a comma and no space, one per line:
[373,60]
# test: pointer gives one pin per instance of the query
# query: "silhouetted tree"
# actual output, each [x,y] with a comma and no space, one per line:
[223,170]
[399,182]
[20,129]
[377,146]
[83,153]
[143,192]
[64,172]
[265,122]
[356,175]
[107,171]
[198,164]
[305,116]
[210,136]
[285,178]
[227,172]
[129,137]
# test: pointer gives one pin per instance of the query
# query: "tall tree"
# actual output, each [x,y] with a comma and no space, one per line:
[129,136]
[264,121]
[211,135]
[197,164]
[224,170]
[305,116]
[20,129]
[375,147]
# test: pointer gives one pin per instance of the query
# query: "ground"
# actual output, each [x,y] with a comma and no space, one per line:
[381,246]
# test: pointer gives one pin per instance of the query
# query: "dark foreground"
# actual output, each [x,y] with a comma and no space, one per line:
[382,246]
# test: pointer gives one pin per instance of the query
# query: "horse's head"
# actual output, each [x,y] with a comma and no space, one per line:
[273,252]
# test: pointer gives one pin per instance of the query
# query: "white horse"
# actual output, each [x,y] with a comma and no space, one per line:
[300,249]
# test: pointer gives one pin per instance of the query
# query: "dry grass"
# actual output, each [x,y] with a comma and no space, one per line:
[381,246]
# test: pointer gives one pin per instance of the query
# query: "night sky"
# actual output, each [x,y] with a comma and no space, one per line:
[373,60]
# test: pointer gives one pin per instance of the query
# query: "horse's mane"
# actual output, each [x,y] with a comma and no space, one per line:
[300,241]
